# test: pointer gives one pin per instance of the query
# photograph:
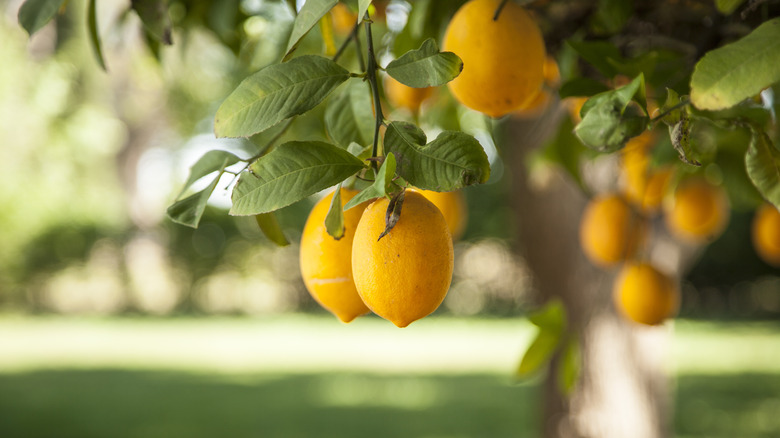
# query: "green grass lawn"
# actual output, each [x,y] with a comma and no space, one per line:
[302,377]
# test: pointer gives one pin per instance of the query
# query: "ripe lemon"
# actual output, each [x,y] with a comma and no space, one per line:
[610,230]
[326,263]
[766,234]
[452,206]
[503,60]
[404,96]
[698,211]
[645,295]
[405,275]
[643,186]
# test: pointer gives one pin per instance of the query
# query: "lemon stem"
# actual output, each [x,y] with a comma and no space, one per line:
[499,9]
[372,68]
[344,45]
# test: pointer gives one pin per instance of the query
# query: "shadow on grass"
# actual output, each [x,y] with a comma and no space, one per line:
[116,404]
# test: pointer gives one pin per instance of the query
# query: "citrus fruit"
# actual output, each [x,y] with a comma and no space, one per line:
[503,60]
[452,206]
[552,79]
[406,274]
[326,263]
[610,230]
[343,18]
[404,96]
[698,211]
[643,186]
[766,234]
[644,294]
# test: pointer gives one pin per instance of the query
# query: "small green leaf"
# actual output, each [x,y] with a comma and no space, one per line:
[581,87]
[360,151]
[726,7]
[672,117]
[189,210]
[362,8]
[609,120]
[269,225]
[426,66]
[334,220]
[380,187]
[277,92]
[452,161]
[762,162]
[680,134]
[154,16]
[551,317]
[289,173]
[538,354]
[310,14]
[732,73]
[94,38]
[611,16]
[569,366]
[34,14]
[600,54]
[348,116]
[211,161]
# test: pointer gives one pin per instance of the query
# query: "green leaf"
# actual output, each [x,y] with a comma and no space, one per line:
[349,117]
[762,162]
[726,7]
[673,116]
[569,366]
[380,187]
[538,354]
[581,87]
[189,210]
[289,173]
[334,220]
[565,150]
[211,161]
[94,38]
[276,93]
[362,8]
[269,225]
[600,54]
[730,74]
[551,317]
[309,15]
[680,134]
[611,16]
[426,66]
[34,14]
[609,120]
[360,151]
[154,16]
[452,161]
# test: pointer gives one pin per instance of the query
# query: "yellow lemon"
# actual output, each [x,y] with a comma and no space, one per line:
[766,234]
[698,211]
[644,294]
[453,207]
[610,230]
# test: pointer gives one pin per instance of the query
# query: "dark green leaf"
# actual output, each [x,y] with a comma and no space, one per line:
[600,54]
[609,119]
[581,87]
[289,173]
[211,161]
[380,187]
[452,161]
[680,134]
[334,220]
[726,7]
[732,73]
[426,66]
[569,366]
[762,162]
[269,225]
[611,16]
[538,353]
[276,93]
[309,15]
[34,14]
[189,210]
[154,16]
[94,38]
[348,116]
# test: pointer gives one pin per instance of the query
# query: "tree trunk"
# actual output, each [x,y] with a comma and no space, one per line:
[622,391]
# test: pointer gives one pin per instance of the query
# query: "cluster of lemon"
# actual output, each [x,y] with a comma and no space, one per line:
[614,229]
[402,277]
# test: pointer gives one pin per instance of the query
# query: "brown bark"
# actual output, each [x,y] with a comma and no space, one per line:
[623,390]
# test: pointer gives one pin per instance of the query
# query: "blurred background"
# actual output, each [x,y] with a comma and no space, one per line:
[116,322]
